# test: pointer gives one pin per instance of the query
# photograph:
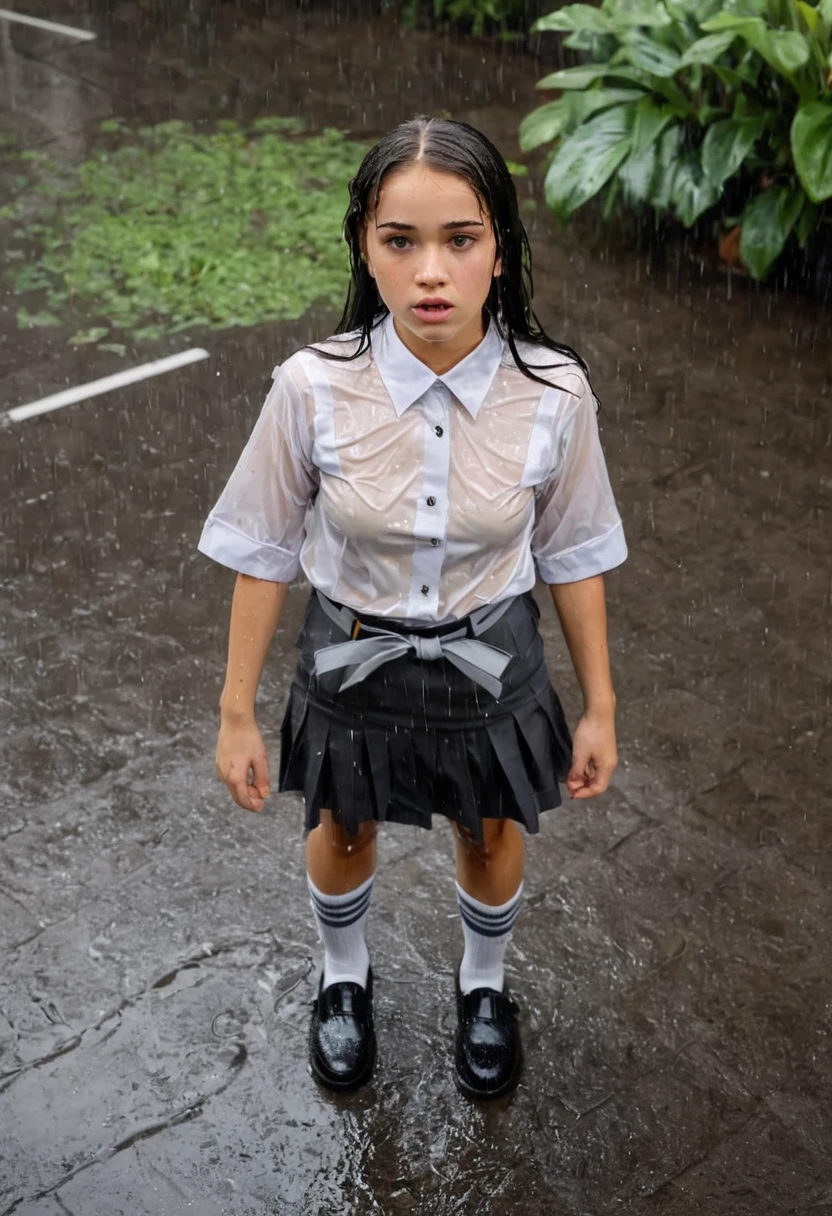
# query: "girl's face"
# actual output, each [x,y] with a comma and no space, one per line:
[432,252]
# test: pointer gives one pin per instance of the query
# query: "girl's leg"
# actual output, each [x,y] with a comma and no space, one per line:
[340,870]
[489,887]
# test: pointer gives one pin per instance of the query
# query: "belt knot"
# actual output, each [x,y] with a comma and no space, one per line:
[426,648]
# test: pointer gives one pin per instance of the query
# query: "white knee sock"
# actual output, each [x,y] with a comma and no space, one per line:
[341,921]
[487,931]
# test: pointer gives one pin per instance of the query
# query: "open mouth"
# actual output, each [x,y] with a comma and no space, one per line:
[433,312]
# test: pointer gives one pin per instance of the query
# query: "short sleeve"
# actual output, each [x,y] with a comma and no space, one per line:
[257,525]
[578,531]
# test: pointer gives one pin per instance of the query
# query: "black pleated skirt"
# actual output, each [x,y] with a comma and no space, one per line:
[418,738]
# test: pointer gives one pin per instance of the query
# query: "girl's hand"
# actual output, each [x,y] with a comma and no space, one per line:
[594,755]
[242,764]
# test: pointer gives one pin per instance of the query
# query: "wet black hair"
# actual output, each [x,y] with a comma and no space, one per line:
[453,147]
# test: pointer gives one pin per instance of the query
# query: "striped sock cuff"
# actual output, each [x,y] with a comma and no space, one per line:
[485,919]
[340,911]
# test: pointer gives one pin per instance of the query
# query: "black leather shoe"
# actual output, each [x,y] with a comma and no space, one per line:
[342,1041]
[489,1058]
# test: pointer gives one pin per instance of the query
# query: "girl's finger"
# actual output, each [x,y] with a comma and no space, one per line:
[580,768]
[260,776]
[236,782]
[239,792]
[598,784]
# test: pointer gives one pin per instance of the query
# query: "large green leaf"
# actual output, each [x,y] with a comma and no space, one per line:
[582,17]
[649,120]
[545,123]
[586,18]
[732,79]
[556,118]
[596,47]
[587,159]
[575,78]
[811,139]
[648,54]
[785,50]
[807,220]
[733,21]
[697,10]
[637,175]
[693,192]
[810,15]
[709,48]
[650,13]
[746,8]
[766,223]
[727,144]
[668,151]
[638,171]
[584,76]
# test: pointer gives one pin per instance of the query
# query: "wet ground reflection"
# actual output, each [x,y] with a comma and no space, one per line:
[158,949]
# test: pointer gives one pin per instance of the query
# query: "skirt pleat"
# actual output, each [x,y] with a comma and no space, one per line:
[378,769]
[420,738]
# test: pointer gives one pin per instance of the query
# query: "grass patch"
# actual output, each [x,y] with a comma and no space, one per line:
[166,228]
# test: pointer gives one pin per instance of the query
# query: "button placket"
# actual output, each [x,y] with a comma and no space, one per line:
[432,509]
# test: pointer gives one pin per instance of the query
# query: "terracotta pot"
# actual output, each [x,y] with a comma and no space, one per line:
[729,248]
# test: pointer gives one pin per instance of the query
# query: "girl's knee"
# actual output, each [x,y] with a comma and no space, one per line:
[498,837]
[337,839]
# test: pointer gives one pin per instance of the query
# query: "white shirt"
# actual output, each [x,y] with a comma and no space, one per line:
[421,497]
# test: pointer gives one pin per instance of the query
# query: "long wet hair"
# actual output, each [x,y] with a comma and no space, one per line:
[452,147]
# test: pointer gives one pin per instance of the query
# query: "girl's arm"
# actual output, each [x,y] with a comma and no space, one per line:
[241,756]
[583,618]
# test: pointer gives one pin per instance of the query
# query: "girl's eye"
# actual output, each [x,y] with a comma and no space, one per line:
[459,241]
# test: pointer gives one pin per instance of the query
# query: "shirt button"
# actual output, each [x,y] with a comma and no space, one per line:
[439,431]
[431,501]
[434,541]
[425,589]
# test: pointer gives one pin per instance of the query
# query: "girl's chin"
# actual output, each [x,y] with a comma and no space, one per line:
[433,328]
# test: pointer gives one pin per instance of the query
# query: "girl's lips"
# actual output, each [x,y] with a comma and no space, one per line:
[433,313]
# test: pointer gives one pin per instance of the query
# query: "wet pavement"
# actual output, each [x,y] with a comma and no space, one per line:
[159,958]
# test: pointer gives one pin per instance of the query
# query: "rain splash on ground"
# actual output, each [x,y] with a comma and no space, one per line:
[159,957]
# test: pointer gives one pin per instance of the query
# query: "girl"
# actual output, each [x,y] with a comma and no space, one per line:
[422,468]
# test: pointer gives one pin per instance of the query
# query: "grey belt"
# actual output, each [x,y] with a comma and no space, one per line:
[482,663]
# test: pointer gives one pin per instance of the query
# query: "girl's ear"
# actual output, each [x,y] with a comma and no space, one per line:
[364,257]
[498,268]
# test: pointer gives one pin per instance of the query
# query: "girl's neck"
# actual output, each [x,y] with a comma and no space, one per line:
[440,357]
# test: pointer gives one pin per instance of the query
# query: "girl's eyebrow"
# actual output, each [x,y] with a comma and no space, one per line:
[412,227]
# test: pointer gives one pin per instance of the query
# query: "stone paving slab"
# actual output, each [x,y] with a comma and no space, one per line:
[158,953]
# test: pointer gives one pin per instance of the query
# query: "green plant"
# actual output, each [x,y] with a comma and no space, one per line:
[695,108]
[477,16]
[171,228]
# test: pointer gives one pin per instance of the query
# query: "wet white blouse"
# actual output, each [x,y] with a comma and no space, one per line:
[406,494]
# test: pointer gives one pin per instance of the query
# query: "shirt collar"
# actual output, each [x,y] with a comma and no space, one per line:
[406,378]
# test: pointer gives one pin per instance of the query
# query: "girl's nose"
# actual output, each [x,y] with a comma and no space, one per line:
[431,269]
